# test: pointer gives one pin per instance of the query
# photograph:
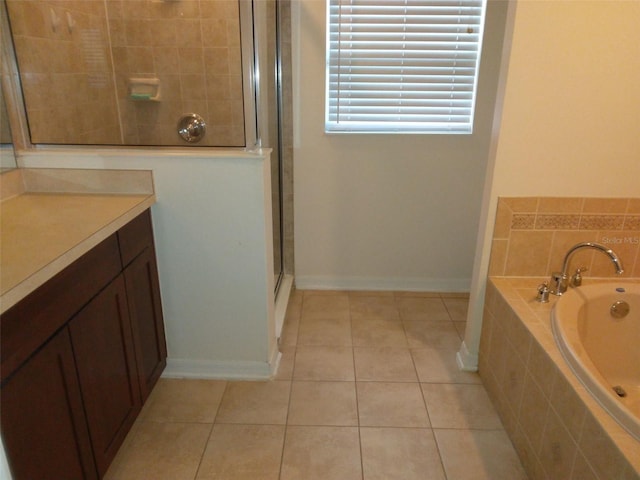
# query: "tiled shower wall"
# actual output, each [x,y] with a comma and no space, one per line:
[66,72]
[286,149]
[76,58]
[532,235]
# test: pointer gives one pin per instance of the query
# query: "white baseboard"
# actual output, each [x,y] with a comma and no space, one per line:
[319,282]
[221,369]
[466,360]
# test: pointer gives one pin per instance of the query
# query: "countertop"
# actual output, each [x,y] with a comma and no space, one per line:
[51,217]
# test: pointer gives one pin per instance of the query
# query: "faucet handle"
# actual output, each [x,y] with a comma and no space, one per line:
[558,283]
[576,278]
[543,293]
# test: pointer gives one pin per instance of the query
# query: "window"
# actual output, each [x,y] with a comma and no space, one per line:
[402,66]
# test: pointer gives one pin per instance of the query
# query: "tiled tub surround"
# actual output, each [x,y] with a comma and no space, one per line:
[532,235]
[558,429]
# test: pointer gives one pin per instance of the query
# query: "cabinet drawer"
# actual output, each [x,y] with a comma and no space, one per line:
[29,324]
[135,236]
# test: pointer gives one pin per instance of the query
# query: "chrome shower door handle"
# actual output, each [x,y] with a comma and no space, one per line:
[192,128]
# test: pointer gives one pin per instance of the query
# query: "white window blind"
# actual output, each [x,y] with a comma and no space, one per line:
[402,66]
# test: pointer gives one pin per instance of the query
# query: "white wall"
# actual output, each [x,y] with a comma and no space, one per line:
[570,113]
[384,211]
[212,226]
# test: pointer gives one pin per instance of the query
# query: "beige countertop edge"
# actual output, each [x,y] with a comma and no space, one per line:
[520,294]
[38,278]
[75,181]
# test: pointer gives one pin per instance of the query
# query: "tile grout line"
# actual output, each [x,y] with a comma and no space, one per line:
[355,387]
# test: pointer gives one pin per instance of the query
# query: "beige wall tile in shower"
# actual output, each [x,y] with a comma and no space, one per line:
[219,9]
[140,60]
[117,33]
[37,21]
[193,87]
[189,31]
[233,34]
[191,60]
[216,60]
[166,59]
[163,33]
[148,38]
[218,87]
[137,32]
[498,257]
[235,63]
[235,88]
[135,9]
[528,253]
[214,33]
[114,9]
[17,14]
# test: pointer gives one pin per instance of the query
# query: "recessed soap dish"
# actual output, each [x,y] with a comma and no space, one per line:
[144,89]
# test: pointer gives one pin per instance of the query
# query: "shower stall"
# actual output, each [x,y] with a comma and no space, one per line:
[200,74]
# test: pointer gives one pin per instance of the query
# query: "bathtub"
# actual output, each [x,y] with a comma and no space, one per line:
[602,347]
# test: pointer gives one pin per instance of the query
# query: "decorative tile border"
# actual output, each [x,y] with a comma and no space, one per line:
[632,222]
[601,222]
[532,234]
[523,221]
[557,222]
[532,221]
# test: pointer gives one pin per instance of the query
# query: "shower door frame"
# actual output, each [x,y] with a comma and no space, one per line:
[255,66]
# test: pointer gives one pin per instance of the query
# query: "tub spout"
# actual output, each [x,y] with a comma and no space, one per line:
[559,280]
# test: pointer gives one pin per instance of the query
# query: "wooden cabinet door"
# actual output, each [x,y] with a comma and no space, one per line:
[143,294]
[103,347]
[44,428]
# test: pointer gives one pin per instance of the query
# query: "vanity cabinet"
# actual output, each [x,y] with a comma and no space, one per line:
[79,357]
[105,361]
[44,428]
[143,293]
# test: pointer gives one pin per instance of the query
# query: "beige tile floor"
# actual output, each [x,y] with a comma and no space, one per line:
[367,389]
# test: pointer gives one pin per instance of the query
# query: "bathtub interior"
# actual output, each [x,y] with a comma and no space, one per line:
[612,343]
[602,350]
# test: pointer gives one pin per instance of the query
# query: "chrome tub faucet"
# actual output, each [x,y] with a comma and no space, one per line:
[560,280]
